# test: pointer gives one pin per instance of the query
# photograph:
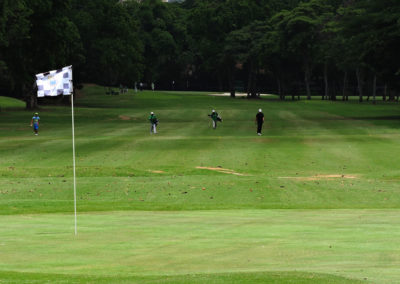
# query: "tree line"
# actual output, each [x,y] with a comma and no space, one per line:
[292,48]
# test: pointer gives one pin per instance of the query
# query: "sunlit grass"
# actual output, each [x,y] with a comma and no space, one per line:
[195,204]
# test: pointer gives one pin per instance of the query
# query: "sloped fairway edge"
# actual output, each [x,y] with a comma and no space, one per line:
[8,102]
[256,277]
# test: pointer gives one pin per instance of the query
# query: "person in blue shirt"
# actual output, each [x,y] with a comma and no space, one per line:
[35,123]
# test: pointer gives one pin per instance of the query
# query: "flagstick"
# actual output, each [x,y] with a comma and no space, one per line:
[73,156]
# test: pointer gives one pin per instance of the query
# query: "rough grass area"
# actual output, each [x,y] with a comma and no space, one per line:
[315,198]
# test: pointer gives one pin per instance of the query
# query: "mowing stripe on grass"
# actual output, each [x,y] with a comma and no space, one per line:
[354,244]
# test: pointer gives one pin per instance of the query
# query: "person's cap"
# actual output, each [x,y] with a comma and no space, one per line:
[259,110]
[151,112]
[36,113]
[213,110]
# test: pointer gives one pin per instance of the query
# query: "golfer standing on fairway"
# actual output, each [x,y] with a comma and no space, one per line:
[154,121]
[215,117]
[259,121]
[35,123]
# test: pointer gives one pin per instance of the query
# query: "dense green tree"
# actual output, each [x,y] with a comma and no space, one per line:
[112,46]
[246,47]
[209,26]
[289,47]
[54,41]
[38,37]
[163,37]
[374,49]
[299,31]
[14,32]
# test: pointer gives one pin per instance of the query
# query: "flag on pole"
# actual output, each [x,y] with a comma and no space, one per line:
[55,83]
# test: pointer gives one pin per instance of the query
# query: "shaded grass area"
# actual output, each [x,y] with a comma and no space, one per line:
[257,277]
[355,244]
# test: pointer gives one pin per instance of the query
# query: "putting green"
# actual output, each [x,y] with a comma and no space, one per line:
[350,243]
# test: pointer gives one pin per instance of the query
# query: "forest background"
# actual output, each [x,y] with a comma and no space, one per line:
[327,48]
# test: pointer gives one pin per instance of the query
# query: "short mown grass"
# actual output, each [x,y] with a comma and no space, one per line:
[319,190]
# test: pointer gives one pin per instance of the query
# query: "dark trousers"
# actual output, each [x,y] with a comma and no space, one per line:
[259,127]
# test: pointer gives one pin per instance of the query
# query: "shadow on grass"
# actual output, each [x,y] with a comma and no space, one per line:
[238,277]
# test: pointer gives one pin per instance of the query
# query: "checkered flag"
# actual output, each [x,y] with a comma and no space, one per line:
[55,83]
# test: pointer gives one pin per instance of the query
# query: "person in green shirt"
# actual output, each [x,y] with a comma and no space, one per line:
[35,123]
[154,121]
[215,117]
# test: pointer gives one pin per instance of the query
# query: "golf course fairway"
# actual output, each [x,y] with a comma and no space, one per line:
[315,199]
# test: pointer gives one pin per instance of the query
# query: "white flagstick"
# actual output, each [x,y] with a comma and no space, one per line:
[42,82]
[73,155]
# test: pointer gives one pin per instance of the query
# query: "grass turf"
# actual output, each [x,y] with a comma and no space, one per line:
[314,155]
[349,243]
[10,103]
[262,277]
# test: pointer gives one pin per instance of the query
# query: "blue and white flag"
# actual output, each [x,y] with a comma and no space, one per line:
[55,83]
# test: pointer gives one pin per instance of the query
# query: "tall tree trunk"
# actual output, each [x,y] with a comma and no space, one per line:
[374,90]
[344,85]
[30,96]
[220,84]
[249,79]
[391,95]
[307,80]
[279,87]
[384,93]
[232,81]
[360,83]
[256,91]
[251,85]
[31,101]
[326,91]
[283,89]
[294,90]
